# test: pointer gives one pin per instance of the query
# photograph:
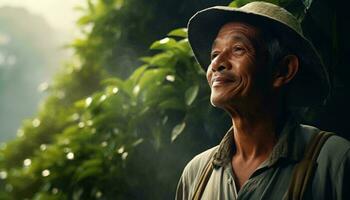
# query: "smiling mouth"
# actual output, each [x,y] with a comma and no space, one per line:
[217,81]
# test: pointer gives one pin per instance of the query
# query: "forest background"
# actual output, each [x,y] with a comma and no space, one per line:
[127,111]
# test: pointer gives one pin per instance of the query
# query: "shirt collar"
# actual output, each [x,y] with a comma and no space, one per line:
[287,146]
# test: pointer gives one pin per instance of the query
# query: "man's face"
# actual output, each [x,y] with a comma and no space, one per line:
[238,72]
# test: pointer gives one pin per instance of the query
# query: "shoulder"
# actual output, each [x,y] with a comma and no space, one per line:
[193,170]
[332,175]
[334,154]
[334,162]
[195,166]
[335,151]
[191,174]
[334,148]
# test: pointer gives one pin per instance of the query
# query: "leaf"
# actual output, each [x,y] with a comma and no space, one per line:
[191,94]
[180,32]
[233,4]
[138,73]
[89,172]
[151,77]
[172,103]
[89,168]
[145,59]
[91,163]
[113,81]
[80,104]
[240,3]
[84,20]
[154,93]
[163,60]
[184,46]
[163,44]
[177,130]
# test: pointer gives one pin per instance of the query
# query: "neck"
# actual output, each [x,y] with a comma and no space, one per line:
[255,131]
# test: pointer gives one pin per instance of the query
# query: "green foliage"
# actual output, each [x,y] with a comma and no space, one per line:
[99,136]
[104,135]
[130,27]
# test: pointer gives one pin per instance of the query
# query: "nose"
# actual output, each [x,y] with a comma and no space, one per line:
[220,68]
[219,63]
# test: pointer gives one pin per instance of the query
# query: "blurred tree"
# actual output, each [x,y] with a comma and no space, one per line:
[25,63]
[118,31]
[122,139]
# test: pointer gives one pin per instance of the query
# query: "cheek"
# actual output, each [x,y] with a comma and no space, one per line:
[248,65]
[246,74]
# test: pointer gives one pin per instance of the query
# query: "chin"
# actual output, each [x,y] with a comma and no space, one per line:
[219,102]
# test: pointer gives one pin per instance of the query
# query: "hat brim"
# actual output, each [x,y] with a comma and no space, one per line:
[311,85]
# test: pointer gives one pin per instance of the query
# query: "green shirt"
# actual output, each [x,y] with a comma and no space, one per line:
[271,179]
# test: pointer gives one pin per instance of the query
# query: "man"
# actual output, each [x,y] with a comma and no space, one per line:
[259,64]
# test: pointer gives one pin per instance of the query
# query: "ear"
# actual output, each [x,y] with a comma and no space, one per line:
[286,71]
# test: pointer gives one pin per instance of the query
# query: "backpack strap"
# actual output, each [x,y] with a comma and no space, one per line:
[204,178]
[303,171]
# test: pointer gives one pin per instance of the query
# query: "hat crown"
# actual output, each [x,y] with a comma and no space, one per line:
[274,12]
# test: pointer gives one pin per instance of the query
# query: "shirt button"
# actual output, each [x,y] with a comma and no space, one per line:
[230,181]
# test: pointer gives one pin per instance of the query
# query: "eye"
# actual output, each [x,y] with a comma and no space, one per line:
[237,49]
[213,55]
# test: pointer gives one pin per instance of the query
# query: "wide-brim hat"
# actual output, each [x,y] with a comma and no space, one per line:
[311,86]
